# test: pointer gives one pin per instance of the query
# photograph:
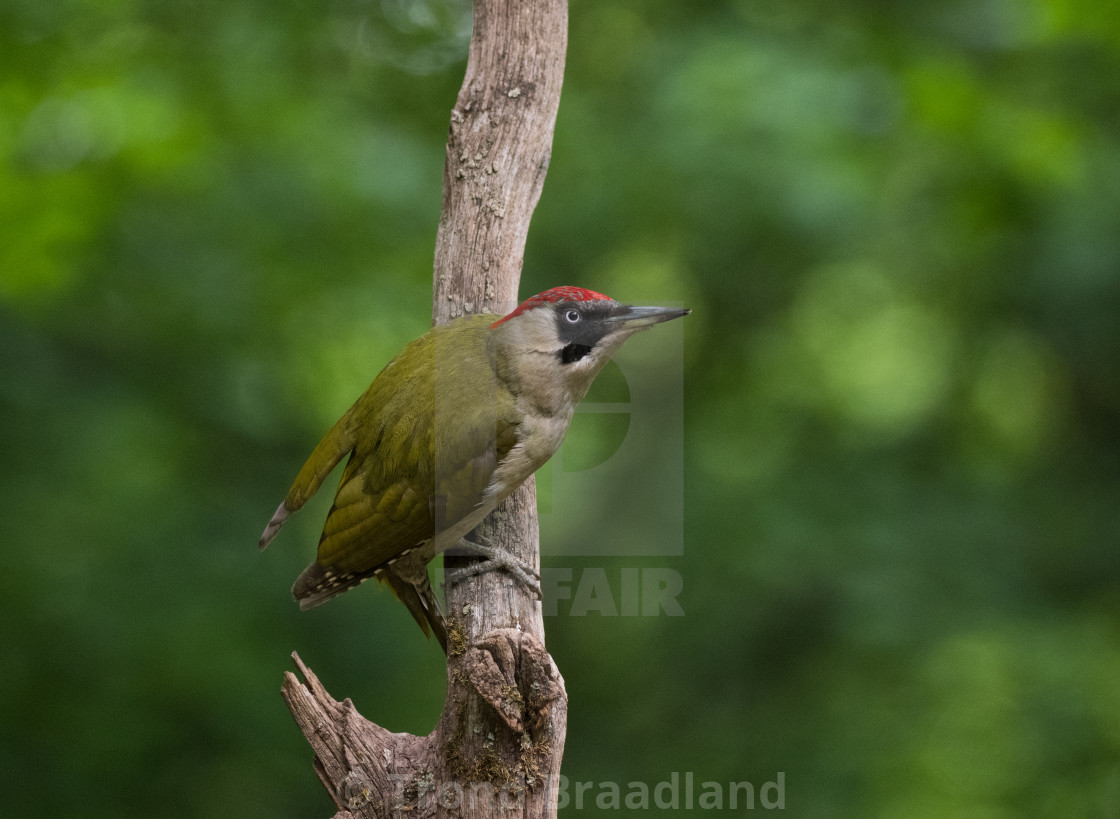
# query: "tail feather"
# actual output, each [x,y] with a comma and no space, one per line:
[317,585]
[421,603]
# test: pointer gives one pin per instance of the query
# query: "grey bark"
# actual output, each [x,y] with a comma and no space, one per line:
[497,747]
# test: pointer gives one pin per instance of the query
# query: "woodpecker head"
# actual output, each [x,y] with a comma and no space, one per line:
[564,336]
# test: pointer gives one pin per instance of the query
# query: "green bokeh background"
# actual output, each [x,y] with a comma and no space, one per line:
[899,228]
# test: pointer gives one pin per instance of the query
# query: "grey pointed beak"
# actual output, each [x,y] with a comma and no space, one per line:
[635,318]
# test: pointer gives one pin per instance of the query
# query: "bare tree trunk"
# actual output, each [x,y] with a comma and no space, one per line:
[497,747]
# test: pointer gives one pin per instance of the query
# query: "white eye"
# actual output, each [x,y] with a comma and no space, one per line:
[572,317]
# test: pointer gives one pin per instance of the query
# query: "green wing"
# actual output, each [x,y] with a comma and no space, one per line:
[427,435]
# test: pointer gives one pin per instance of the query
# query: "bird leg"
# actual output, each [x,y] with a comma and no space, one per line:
[495,559]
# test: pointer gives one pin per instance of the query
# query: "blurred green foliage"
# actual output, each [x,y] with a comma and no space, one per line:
[899,228]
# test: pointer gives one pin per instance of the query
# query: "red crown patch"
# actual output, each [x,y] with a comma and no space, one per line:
[552,296]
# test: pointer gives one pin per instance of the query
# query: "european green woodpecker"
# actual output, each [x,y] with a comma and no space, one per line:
[451,426]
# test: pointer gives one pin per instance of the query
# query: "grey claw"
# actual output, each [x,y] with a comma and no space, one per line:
[495,559]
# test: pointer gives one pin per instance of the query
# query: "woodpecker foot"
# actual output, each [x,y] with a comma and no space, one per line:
[496,558]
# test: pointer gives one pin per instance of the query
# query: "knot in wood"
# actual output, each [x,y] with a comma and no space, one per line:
[514,674]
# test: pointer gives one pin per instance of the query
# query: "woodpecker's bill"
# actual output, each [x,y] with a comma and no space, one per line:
[451,426]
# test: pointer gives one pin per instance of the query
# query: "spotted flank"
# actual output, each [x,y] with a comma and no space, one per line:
[317,585]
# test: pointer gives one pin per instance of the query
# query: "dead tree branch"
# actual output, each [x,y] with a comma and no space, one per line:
[497,747]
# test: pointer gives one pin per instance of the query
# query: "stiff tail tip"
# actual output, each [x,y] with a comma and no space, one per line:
[273,526]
